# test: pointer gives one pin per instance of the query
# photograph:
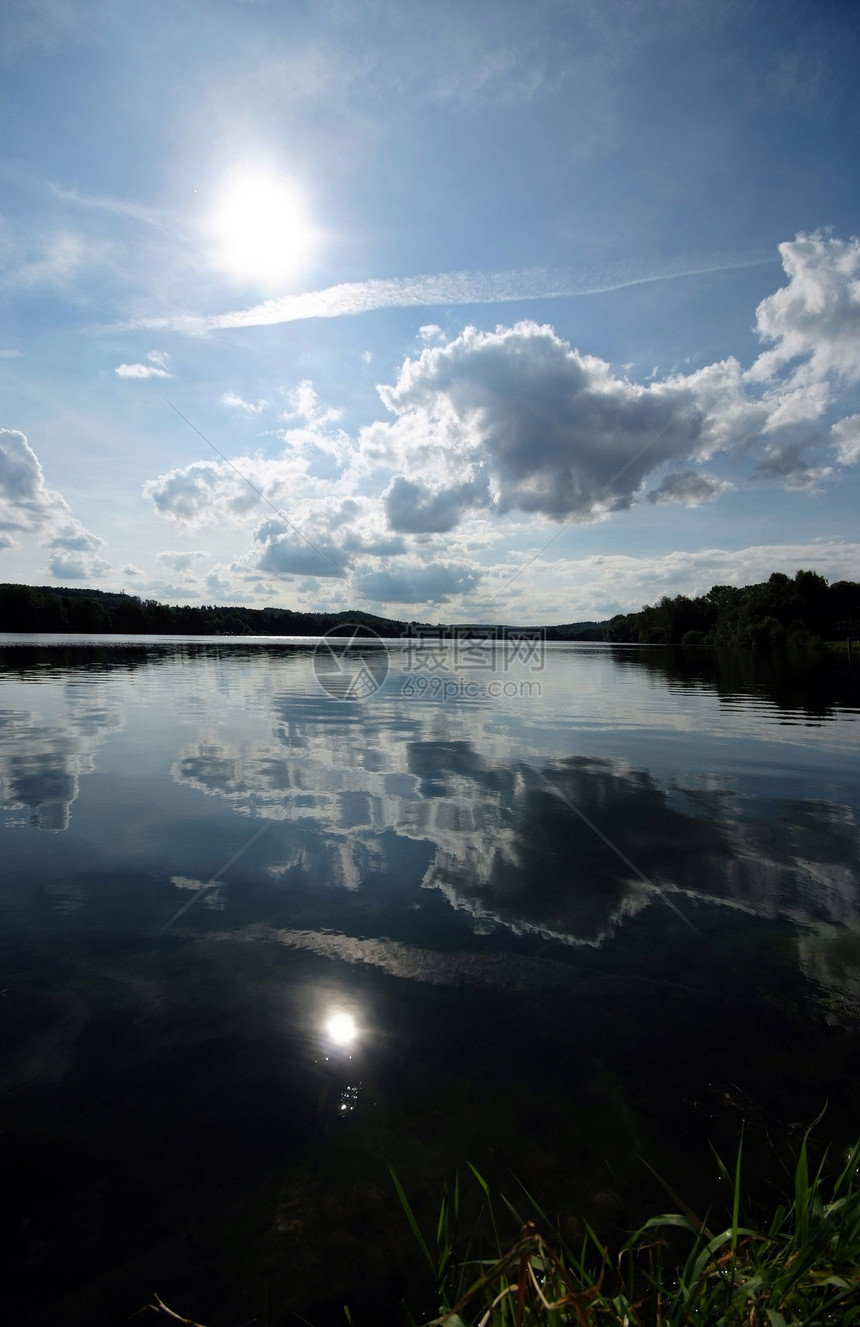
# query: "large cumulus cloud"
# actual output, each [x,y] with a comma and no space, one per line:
[414,508]
[283,551]
[26,502]
[814,320]
[214,492]
[412,582]
[29,506]
[518,419]
[515,427]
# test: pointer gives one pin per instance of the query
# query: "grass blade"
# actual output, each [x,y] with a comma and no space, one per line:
[801,1195]
[410,1217]
[736,1202]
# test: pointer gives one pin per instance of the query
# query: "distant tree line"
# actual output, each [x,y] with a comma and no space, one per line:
[37,608]
[27,608]
[781,611]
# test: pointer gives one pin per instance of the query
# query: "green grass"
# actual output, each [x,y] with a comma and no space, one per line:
[491,1264]
[802,1266]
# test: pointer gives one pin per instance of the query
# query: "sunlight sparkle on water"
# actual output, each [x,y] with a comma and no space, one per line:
[342,1030]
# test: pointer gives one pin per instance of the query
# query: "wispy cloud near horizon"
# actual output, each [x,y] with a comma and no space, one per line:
[455,288]
[149,216]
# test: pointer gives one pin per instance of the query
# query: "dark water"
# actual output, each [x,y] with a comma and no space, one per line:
[546,913]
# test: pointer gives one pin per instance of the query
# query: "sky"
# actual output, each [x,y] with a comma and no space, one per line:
[462,311]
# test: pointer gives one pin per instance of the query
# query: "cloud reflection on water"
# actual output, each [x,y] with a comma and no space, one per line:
[351,783]
[41,763]
[508,852]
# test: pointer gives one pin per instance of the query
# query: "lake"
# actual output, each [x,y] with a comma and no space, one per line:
[272,914]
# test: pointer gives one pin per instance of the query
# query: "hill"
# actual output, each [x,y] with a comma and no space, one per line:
[44,608]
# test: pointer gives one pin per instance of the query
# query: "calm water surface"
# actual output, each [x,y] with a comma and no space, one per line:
[546,913]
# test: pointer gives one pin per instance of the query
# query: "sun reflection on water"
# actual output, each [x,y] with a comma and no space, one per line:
[341,1030]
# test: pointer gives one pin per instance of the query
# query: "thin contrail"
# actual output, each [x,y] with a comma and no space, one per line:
[446,288]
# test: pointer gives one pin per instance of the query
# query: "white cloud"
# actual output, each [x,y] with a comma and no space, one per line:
[131,570]
[449,288]
[75,553]
[149,216]
[215,492]
[732,419]
[156,368]
[412,582]
[8,353]
[846,438]
[690,487]
[814,323]
[239,403]
[791,465]
[517,419]
[72,536]
[303,400]
[180,561]
[76,566]
[334,538]
[598,586]
[28,505]
[204,492]
[53,262]
[283,551]
[26,502]
[187,590]
[218,588]
[516,423]
[414,508]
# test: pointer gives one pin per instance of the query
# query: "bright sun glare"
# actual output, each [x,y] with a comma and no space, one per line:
[342,1029]
[260,226]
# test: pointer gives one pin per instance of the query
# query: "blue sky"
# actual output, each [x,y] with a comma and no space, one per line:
[452,311]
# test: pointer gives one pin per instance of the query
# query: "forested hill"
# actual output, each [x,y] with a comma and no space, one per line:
[779,611]
[43,608]
[28,608]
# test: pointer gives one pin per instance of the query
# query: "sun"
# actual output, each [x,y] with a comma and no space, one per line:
[260,227]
